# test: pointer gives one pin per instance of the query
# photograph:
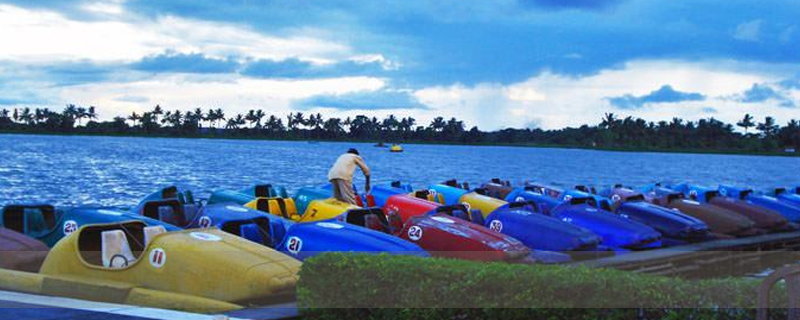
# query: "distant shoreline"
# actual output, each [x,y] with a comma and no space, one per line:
[520,145]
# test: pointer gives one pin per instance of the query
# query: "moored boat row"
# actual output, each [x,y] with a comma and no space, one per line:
[177,248]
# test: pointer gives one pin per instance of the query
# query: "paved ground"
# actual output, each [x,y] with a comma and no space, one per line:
[15,305]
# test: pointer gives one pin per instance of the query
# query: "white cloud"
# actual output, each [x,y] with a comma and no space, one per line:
[386,64]
[234,94]
[47,36]
[547,100]
[748,31]
[556,101]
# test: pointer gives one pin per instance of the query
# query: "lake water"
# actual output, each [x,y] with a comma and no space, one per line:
[118,171]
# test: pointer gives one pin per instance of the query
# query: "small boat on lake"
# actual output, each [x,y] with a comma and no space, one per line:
[396,148]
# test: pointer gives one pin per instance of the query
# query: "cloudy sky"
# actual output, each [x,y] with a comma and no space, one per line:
[495,64]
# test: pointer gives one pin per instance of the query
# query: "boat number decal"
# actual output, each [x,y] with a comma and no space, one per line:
[204,236]
[466,204]
[70,226]
[616,198]
[415,233]
[294,245]
[496,225]
[158,258]
[205,222]
[519,199]
[330,225]
[109,212]
[235,208]
[567,198]
[723,192]
[432,192]
[443,219]
[693,193]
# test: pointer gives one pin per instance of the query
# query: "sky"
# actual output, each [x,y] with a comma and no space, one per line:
[495,64]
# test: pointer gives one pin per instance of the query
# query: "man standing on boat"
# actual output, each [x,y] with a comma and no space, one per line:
[341,176]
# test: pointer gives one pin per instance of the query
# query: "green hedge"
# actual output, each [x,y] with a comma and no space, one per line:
[383,286]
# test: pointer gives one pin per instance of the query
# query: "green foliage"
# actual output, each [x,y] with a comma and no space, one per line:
[705,135]
[351,286]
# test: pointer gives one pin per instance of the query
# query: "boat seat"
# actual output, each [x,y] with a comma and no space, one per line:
[460,211]
[189,197]
[372,221]
[169,192]
[169,211]
[427,195]
[35,223]
[395,222]
[167,215]
[370,218]
[151,232]
[116,250]
[284,207]
[265,191]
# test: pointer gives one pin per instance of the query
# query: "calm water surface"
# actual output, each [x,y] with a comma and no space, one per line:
[118,171]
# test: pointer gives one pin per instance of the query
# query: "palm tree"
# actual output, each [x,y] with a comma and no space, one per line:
[299,119]
[80,113]
[175,119]
[231,124]
[39,115]
[26,116]
[746,123]
[768,127]
[91,113]
[609,121]
[275,124]
[134,117]
[391,123]
[166,117]
[219,115]
[251,117]
[333,126]
[290,121]
[157,111]
[259,114]
[148,121]
[70,111]
[198,117]
[437,124]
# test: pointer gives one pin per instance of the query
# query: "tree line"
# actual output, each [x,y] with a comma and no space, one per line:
[611,132]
